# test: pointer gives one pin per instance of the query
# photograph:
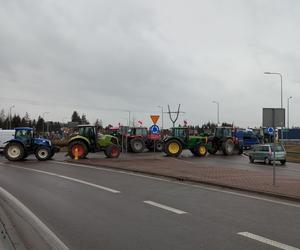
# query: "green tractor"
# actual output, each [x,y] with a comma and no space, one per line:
[180,140]
[225,139]
[87,140]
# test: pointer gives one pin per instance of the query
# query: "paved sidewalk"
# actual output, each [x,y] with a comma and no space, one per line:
[197,172]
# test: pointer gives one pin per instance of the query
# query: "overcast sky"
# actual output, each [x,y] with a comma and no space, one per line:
[101,57]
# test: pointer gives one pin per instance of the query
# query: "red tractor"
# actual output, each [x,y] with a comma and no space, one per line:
[136,139]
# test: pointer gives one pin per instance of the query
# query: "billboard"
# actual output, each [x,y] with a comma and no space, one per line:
[273,117]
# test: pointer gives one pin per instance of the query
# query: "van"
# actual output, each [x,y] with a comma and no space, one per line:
[6,135]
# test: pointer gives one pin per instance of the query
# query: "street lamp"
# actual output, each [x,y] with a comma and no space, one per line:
[218,111]
[162,117]
[44,120]
[10,108]
[288,112]
[276,73]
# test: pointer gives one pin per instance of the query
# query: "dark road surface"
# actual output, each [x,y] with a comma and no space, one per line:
[127,211]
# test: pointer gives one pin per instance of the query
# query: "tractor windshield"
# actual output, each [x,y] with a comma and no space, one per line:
[179,132]
[87,132]
[141,131]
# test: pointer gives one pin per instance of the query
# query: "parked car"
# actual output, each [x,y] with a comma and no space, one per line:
[265,152]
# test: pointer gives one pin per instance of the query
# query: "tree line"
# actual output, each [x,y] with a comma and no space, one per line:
[40,125]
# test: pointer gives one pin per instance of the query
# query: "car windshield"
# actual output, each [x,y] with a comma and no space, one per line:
[277,148]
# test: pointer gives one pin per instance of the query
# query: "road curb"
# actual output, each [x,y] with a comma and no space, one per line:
[187,179]
[32,232]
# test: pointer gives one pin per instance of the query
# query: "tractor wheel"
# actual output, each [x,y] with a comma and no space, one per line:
[14,151]
[228,147]
[42,153]
[137,145]
[201,150]
[112,151]
[173,148]
[212,149]
[241,150]
[80,146]
[159,146]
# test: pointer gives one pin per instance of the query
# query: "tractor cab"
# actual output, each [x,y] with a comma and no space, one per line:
[139,131]
[88,131]
[25,135]
[180,132]
[223,132]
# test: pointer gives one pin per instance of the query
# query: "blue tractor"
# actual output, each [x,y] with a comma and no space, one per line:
[25,143]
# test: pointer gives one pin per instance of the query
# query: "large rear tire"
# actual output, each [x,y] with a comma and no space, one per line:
[42,153]
[112,151]
[228,147]
[137,145]
[173,148]
[14,151]
[81,147]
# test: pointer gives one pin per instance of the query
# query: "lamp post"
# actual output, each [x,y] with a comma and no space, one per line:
[162,117]
[288,112]
[10,108]
[218,111]
[44,120]
[277,73]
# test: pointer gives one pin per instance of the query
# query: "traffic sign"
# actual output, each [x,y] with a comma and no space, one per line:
[154,129]
[154,118]
[270,130]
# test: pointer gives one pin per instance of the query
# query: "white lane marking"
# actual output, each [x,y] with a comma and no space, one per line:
[70,179]
[33,220]
[174,210]
[180,183]
[267,241]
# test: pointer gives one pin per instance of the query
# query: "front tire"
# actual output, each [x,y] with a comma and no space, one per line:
[14,151]
[283,162]
[42,153]
[112,151]
[251,159]
[201,150]
[159,146]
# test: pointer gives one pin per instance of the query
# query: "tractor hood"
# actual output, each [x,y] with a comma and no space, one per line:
[42,141]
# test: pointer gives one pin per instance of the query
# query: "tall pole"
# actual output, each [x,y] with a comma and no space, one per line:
[218,111]
[10,108]
[281,95]
[162,117]
[288,112]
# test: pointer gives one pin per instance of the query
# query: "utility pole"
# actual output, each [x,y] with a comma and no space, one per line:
[10,108]
[173,120]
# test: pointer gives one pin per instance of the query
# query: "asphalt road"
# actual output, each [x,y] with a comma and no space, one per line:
[94,208]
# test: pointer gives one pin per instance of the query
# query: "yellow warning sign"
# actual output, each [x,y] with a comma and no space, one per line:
[154,118]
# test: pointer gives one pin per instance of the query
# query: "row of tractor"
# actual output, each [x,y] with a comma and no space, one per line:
[86,139]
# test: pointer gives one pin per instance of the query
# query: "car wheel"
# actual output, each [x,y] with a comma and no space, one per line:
[283,162]
[268,161]
[251,159]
